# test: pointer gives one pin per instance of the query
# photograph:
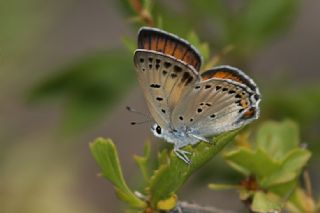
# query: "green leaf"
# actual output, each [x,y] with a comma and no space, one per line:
[215,186]
[105,154]
[278,138]
[142,161]
[163,157]
[300,103]
[290,168]
[265,202]
[301,201]
[249,162]
[201,46]
[245,194]
[170,176]
[89,87]
[284,189]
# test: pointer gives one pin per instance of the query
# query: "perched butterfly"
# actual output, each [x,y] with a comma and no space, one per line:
[189,106]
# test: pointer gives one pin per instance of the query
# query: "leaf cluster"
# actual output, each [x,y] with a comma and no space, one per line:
[270,169]
[161,183]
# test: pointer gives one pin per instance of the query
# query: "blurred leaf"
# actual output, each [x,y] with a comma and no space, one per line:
[260,20]
[290,168]
[167,204]
[172,20]
[201,46]
[278,138]
[142,161]
[301,202]
[245,194]
[163,157]
[159,22]
[215,186]
[105,154]
[275,164]
[298,103]
[89,87]
[24,23]
[170,176]
[211,8]
[265,202]
[129,43]
[147,4]
[251,162]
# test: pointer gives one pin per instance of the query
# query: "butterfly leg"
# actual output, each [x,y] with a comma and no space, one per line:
[182,154]
[199,138]
[207,141]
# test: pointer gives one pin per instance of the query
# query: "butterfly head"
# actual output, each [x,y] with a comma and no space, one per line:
[172,136]
[157,131]
[181,136]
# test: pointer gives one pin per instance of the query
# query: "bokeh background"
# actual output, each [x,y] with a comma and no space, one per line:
[67,75]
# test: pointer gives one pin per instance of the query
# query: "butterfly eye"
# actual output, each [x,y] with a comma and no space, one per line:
[158,130]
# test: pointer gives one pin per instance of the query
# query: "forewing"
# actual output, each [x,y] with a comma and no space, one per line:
[169,44]
[164,80]
[216,105]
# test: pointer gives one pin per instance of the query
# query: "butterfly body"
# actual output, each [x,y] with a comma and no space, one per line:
[186,105]
[180,137]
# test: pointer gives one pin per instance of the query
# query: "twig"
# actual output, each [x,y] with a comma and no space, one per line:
[142,13]
[215,59]
[184,207]
[307,183]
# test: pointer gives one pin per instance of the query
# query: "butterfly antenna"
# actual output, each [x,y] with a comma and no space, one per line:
[149,119]
[137,112]
[141,122]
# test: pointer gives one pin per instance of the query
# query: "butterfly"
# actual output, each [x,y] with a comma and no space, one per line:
[189,106]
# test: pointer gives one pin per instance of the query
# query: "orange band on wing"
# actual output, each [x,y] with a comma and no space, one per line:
[160,41]
[230,73]
[249,113]
[223,75]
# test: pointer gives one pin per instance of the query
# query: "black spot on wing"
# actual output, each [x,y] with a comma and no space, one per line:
[186,78]
[177,69]
[155,86]
[167,65]
[173,75]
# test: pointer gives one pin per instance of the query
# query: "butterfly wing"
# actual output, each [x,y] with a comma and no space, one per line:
[167,68]
[164,80]
[217,104]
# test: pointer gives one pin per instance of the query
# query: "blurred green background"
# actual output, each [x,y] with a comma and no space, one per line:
[66,76]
